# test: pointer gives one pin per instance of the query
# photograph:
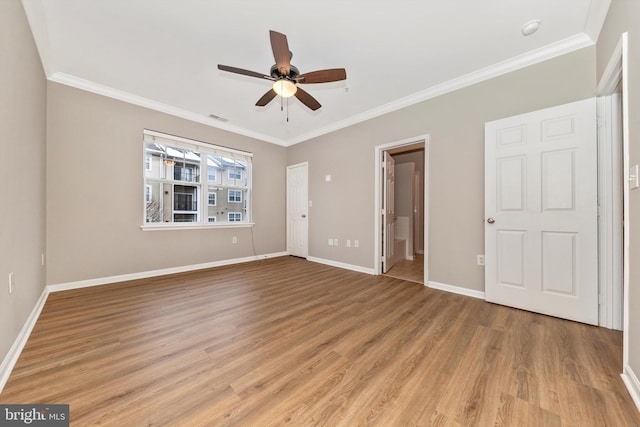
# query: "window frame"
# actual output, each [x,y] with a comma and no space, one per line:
[233,213]
[234,190]
[199,179]
[235,172]
[215,198]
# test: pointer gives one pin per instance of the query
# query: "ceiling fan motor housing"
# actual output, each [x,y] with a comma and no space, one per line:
[276,74]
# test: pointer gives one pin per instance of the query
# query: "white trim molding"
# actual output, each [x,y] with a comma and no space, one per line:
[533,57]
[343,265]
[456,290]
[99,89]
[18,345]
[153,273]
[633,384]
[12,356]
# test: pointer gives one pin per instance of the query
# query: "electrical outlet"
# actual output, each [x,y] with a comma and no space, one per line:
[335,242]
[330,242]
[480,259]
[348,243]
[356,244]
[234,239]
[42,259]
[11,283]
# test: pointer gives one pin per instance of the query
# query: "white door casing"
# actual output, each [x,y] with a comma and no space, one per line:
[298,210]
[388,213]
[541,212]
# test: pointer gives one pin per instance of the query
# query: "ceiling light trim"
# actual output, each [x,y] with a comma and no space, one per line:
[99,89]
[533,57]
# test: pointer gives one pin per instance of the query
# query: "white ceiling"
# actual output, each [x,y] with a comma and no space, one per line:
[163,53]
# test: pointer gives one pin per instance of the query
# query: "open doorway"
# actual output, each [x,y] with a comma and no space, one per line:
[401,209]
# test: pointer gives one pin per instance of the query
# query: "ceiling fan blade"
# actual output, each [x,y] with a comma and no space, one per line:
[323,76]
[266,98]
[281,53]
[307,99]
[243,72]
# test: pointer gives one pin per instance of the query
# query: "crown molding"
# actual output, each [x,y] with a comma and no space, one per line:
[99,89]
[598,10]
[536,56]
[550,51]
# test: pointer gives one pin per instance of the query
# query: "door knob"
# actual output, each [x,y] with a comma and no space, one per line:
[491,220]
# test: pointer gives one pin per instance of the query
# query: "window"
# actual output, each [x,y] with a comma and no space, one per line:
[175,193]
[234,216]
[235,196]
[234,174]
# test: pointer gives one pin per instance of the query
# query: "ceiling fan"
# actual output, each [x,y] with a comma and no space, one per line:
[286,77]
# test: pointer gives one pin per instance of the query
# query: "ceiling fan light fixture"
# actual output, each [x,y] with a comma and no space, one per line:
[285,88]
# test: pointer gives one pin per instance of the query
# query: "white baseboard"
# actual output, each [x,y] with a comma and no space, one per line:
[332,263]
[633,384]
[12,356]
[153,273]
[456,290]
[18,345]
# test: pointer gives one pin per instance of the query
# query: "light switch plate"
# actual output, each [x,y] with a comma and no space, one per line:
[634,179]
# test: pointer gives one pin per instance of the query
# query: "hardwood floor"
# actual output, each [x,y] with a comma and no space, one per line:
[290,342]
[412,271]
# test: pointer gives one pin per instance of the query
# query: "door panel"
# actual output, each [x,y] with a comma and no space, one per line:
[541,199]
[297,210]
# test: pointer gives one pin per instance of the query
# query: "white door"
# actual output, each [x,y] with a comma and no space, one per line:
[388,213]
[541,212]
[298,210]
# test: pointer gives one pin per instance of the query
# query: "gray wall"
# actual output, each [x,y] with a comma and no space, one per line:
[624,15]
[455,122]
[95,192]
[22,173]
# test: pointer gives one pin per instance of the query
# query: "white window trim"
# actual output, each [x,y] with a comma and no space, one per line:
[229,195]
[215,198]
[202,148]
[214,218]
[148,193]
[148,163]
[215,174]
[234,171]
[233,213]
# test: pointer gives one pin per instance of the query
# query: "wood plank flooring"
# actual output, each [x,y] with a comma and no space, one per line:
[290,342]
[404,269]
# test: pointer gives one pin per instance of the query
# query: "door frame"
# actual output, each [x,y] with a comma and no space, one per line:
[377,211]
[610,216]
[616,73]
[288,213]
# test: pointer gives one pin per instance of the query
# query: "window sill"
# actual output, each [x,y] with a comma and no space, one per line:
[162,227]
